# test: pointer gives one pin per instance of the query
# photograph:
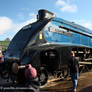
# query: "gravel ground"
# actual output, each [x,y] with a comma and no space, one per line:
[84,84]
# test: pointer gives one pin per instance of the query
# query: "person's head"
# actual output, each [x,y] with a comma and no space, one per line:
[0,53]
[72,53]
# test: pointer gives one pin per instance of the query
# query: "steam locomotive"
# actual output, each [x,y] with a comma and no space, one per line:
[47,44]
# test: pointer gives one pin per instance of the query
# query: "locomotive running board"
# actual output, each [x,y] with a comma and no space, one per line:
[15,89]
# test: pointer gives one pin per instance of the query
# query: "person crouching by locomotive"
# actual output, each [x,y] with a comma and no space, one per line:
[74,70]
[32,79]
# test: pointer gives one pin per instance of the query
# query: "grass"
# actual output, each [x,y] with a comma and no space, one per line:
[4,44]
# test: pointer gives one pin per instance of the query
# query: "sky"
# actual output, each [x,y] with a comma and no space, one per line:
[14,14]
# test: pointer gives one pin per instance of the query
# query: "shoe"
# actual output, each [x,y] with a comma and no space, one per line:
[74,90]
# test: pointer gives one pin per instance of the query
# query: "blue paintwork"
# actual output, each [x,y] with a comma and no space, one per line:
[81,36]
[74,26]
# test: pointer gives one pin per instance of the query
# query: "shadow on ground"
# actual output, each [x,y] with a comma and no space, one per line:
[88,89]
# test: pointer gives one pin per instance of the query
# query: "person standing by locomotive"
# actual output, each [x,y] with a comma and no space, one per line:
[32,79]
[74,70]
[1,56]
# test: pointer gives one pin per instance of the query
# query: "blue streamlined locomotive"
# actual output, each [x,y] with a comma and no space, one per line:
[47,44]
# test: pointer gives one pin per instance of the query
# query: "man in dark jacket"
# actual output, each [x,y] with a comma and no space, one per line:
[74,70]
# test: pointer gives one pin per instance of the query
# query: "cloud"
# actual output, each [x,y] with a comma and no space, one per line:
[66,6]
[5,24]
[32,15]
[21,16]
[20,25]
[69,8]
[83,22]
[8,26]
[25,9]
[88,25]
[32,18]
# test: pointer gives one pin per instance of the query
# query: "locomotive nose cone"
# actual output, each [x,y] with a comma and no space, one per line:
[15,68]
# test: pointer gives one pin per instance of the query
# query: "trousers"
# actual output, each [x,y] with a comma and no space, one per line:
[74,78]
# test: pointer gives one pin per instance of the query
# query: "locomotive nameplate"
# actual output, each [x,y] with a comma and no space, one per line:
[58,31]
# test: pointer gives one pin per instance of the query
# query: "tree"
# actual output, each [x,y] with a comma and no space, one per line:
[7,39]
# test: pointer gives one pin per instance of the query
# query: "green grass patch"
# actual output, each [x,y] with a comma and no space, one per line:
[4,44]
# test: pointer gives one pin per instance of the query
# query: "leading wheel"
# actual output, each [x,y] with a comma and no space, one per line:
[43,76]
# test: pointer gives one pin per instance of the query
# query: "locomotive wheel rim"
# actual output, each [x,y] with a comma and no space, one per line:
[43,77]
